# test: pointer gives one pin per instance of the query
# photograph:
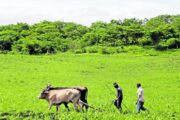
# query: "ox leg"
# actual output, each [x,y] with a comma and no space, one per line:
[81,105]
[75,106]
[57,108]
[85,101]
[50,105]
[87,106]
[65,104]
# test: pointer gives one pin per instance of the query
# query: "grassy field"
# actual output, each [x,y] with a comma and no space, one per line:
[22,77]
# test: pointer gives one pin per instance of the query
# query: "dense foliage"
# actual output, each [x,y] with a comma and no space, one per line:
[161,32]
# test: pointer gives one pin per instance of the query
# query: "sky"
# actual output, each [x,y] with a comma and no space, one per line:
[83,12]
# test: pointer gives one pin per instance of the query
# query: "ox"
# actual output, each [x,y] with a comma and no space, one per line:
[64,95]
[83,91]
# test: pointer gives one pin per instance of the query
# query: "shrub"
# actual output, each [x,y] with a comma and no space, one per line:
[79,51]
[173,43]
[108,50]
[93,49]
[5,45]
[145,41]
[47,47]
[133,48]
[27,46]
[120,49]
[162,45]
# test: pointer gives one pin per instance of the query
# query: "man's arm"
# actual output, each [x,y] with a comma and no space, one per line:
[139,95]
[119,93]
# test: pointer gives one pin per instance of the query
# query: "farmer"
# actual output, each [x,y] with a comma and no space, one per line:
[119,96]
[140,101]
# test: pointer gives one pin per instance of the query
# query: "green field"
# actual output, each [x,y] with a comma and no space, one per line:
[22,77]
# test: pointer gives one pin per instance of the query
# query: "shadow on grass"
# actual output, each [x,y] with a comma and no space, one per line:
[28,114]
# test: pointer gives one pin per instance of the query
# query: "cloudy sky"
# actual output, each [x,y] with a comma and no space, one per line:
[83,11]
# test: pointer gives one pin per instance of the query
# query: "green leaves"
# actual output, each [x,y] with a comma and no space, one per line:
[49,37]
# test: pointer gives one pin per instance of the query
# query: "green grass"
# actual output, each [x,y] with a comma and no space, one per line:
[22,78]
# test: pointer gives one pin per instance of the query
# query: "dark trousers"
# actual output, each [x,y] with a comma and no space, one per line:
[140,106]
[117,103]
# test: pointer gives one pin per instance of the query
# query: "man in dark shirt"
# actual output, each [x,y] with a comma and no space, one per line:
[119,96]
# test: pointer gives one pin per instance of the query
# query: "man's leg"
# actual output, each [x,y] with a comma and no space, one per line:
[138,107]
[142,107]
[118,104]
[115,103]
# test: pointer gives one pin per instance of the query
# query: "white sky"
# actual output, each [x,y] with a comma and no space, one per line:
[83,11]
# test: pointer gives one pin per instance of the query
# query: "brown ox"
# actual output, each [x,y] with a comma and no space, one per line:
[62,96]
[83,91]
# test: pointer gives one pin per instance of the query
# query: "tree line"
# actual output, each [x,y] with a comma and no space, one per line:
[161,33]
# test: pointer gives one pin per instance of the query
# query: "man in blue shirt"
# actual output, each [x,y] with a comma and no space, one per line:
[119,96]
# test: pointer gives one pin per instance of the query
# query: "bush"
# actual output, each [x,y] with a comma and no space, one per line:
[162,45]
[47,47]
[80,51]
[27,46]
[170,43]
[145,41]
[133,48]
[5,45]
[108,50]
[93,49]
[34,48]
[120,49]
[173,43]
[4,52]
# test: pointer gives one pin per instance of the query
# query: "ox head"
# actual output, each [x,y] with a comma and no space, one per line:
[44,92]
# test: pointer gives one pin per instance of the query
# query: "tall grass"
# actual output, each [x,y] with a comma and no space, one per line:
[22,78]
